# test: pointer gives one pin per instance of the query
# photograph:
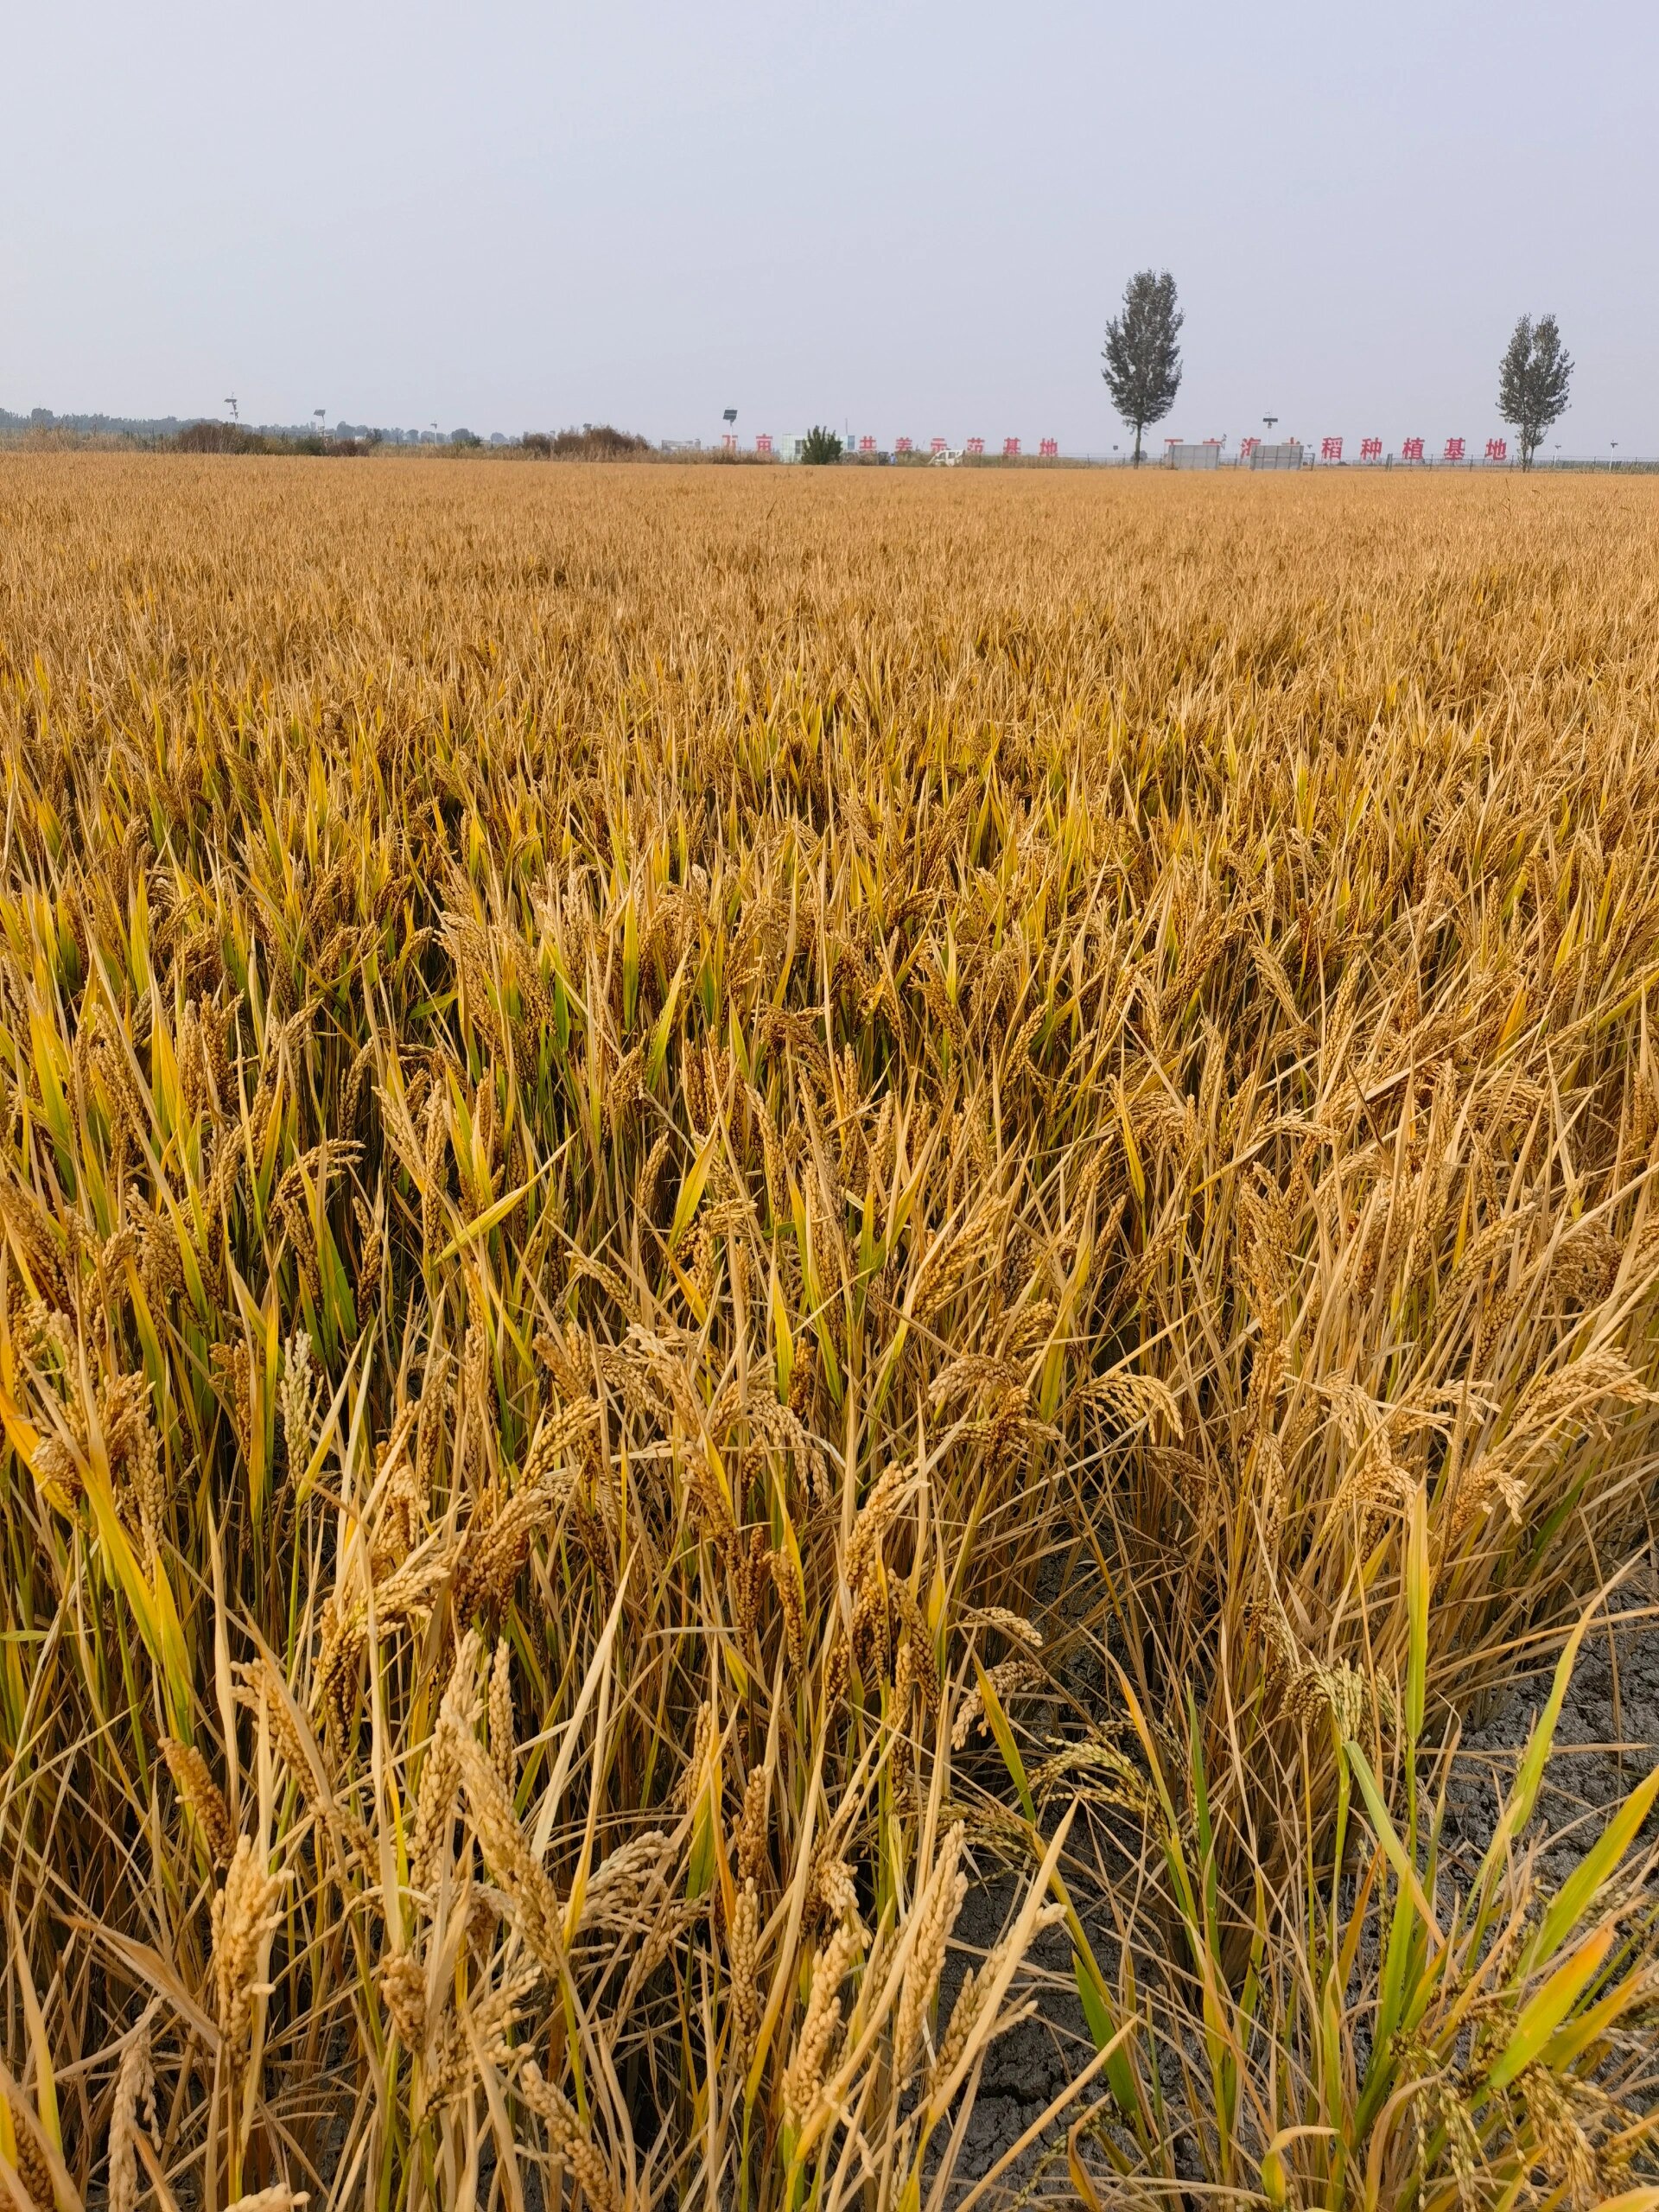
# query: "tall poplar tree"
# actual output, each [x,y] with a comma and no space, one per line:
[1534,378]
[1142,363]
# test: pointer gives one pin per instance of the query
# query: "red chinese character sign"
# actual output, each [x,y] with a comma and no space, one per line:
[763,442]
[1454,450]
[939,445]
[1330,448]
[1049,448]
[903,445]
[1411,449]
[1371,449]
[974,445]
[866,445]
[1497,448]
[1247,447]
[1010,448]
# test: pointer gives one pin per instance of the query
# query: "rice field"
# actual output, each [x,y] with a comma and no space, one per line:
[735,1201]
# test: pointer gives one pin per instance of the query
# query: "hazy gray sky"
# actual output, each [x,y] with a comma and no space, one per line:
[906,219]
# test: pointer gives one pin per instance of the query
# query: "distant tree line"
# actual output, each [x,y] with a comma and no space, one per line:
[592,442]
[152,429]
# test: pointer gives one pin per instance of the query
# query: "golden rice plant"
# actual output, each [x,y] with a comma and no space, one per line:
[729,1201]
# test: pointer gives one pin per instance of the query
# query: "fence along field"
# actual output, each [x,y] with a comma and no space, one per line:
[729,1201]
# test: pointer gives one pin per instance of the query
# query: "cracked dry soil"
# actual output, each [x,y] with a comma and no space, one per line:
[1606,1740]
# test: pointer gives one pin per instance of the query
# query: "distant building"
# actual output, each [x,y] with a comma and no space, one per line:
[1289,455]
[1180,454]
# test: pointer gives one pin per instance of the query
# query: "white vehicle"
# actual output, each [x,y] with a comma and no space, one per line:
[948,458]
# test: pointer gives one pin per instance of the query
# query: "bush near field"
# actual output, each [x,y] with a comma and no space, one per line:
[720,1211]
[597,442]
[236,437]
